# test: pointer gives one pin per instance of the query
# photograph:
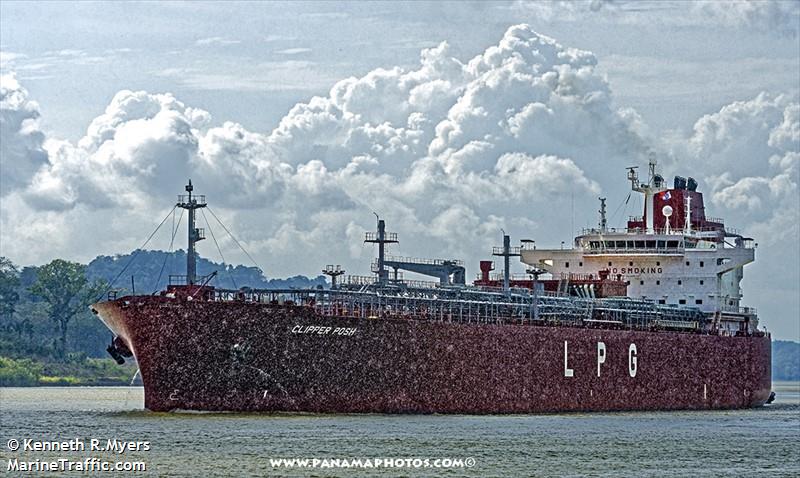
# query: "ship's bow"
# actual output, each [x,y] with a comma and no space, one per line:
[113,316]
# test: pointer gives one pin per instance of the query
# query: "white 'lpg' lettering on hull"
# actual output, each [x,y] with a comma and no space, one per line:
[568,372]
[601,355]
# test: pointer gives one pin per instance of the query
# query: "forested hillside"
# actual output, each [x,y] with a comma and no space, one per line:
[47,333]
[150,271]
[785,360]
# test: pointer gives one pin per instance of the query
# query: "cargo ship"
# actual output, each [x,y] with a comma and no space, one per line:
[643,318]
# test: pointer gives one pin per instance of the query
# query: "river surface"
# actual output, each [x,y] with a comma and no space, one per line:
[757,442]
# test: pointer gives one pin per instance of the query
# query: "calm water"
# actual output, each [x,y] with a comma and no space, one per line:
[760,442]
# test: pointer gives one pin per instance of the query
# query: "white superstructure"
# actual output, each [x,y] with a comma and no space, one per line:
[675,256]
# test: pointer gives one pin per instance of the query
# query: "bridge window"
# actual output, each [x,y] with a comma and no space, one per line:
[662,244]
[629,244]
[620,244]
[662,301]
[651,244]
[609,244]
[639,244]
[672,244]
[682,301]
[698,301]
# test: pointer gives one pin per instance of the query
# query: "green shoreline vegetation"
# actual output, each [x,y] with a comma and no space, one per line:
[78,371]
[48,336]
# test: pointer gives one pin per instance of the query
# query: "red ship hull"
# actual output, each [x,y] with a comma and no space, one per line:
[261,357]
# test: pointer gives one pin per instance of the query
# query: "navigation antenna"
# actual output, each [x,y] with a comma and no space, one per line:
[192,203]
[633,176]
[651,163]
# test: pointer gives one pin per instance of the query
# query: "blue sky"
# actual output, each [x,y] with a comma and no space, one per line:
[223,92]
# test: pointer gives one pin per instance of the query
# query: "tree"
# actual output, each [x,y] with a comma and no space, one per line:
[9,281]
[66,290]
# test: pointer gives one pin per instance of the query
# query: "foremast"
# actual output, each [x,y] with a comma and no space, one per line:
[192,203]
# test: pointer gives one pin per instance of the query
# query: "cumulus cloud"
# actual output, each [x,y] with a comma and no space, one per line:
[140,146]
[740,133]
[749,153]
[21,140]
[519,173]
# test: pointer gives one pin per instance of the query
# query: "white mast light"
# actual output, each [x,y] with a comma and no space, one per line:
[667,212]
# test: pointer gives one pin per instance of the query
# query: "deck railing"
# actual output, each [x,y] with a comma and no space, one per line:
[197,198]
[478,306]
[738,309]
[499,251]
[636,250]
[373,236]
